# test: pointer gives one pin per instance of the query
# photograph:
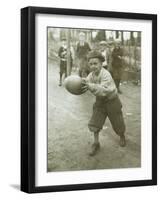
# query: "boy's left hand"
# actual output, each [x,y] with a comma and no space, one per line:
[85,85]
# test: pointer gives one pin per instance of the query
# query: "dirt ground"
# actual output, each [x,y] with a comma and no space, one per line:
[69,140]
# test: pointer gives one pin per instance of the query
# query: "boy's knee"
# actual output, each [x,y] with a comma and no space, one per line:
[93,128]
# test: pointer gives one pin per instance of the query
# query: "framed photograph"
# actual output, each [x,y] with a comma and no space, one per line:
[88,99]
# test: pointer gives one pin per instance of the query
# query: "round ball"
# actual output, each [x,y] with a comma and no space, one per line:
[73,84]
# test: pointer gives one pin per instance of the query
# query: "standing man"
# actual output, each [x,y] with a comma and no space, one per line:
[82,50]
[100,83]
[117,64]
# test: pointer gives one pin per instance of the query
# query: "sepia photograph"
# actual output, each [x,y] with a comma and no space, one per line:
[94,99]
[89,87]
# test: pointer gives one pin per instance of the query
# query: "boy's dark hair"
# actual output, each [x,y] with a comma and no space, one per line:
[95,54]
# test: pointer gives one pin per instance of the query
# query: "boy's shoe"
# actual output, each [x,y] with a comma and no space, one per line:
[95,149]
[119,91]
[122,141]
[60,84]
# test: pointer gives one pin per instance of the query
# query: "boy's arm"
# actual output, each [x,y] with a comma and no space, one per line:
[105,88]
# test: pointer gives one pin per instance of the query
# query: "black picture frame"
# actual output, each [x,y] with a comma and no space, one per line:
[28,91]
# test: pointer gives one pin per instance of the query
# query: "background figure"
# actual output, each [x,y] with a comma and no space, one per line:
[110,48]
[82,50]
[105,53]
[117,64]
[63,60]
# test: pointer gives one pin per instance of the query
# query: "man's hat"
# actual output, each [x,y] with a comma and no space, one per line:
[117,41]
[110,42]
[95,54]
[63,39]
[81,34]
[103,42]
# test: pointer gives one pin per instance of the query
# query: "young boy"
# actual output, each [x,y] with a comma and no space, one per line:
[63,59]
[100,83]
[62,53]
[104,52]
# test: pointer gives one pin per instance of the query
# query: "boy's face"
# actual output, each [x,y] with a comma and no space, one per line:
[117,45]
[81,38]
[95,65]
[102,47]
[64,43]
